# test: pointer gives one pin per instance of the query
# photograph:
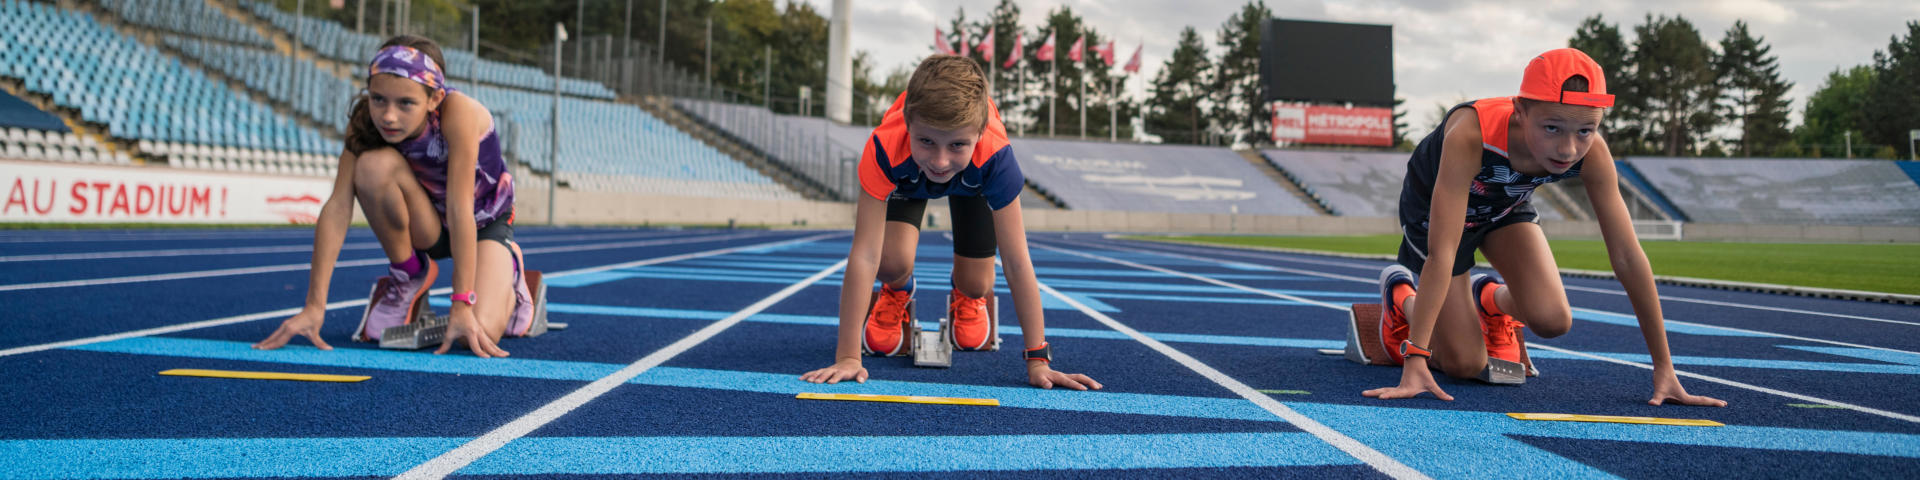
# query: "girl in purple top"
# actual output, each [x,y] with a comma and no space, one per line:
[424,162]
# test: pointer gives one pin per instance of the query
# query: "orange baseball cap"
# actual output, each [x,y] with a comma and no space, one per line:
[1547,72]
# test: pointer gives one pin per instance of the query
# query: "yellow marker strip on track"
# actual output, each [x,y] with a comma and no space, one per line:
[304,377]
[860,397]
[1567,417]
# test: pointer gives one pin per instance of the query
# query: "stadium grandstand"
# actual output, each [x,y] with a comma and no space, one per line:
[210,85]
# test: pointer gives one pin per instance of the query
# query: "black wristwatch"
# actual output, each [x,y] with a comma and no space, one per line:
[1044,353]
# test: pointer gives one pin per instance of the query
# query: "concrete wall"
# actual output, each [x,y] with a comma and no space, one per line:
[620,208]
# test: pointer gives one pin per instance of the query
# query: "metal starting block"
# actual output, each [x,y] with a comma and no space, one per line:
[1502,372]
[429,330]
[935,349]
[1364,347]
[1363,336]
[931,348]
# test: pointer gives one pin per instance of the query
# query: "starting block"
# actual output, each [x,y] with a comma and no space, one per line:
[1365,347]
[935,349]
[428,330]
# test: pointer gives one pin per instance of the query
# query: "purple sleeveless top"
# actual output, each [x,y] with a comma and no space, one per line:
[492,184]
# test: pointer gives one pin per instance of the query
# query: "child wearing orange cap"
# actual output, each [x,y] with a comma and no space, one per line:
[1467,187]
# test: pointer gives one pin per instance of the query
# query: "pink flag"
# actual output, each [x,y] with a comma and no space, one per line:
[1078,45]
[1106,52]
[1133,66]
[986,47]
[940,42]
[1013,56]
[1045,53]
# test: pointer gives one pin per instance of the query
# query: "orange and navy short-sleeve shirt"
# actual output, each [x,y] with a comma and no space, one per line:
[887,170]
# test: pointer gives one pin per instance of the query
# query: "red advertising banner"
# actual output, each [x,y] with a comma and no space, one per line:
[1330,125]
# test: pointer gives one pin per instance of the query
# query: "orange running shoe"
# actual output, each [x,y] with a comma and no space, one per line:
[972,325]
[1393,322]
[1501,332]
[885,332]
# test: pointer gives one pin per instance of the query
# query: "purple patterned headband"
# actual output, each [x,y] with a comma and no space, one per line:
[410,64]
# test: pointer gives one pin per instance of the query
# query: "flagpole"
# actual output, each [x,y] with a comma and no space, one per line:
[1113,115]
[1079,48]
[1023,99]
[1053,87]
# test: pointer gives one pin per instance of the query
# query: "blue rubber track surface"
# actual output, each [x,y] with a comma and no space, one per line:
[646,383]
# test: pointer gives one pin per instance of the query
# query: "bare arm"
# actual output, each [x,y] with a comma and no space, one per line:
[1459,163]
[856,292]
[1634,272]
[329,231]
[1010,234]
[856,284]
[465,122]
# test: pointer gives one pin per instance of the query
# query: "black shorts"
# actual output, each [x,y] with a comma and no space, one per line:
[1413,243]
[972,222]
[500,230]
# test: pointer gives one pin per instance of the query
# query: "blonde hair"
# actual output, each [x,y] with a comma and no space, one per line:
[947,92]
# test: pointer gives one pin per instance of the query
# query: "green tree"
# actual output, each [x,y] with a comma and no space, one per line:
[1673,74]
[1070,27]
[1895,108]
[1179,92]
[1755,94]
[1602,41]
[1838,106]
[1400,124]
[1239,105]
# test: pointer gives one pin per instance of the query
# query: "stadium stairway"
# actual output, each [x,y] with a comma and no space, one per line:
[1569,198]
[1285,181]
[662,108]
[113,149]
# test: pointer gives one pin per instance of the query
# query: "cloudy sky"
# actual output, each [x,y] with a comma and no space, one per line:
[1444,50]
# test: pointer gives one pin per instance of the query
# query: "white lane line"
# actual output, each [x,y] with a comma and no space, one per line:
[1722,381]
[1379,461]
[285,312]
[454,460]
[1664,298]
[1708,378]
[161,277]
[1747,306]
[1582,309]
[303,247]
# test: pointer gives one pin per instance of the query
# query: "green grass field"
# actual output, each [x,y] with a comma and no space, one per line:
[1890,268]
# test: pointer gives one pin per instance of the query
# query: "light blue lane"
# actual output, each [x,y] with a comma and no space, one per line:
[936,269]
[386,457]
[985,453]
[1447,436]
[1631,321]
[218,457]
[787,383]
[1903,363]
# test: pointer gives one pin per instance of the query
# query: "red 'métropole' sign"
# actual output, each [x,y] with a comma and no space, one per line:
[1330,125]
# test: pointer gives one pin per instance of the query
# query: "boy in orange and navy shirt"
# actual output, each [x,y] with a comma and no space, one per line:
[942,138]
